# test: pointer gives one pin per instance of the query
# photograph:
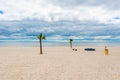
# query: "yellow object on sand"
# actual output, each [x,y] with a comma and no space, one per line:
[106,51]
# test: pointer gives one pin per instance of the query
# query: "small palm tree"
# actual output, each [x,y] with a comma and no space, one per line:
[41,37]
[71,40]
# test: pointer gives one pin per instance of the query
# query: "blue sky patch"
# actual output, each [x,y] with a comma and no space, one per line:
[117,18]
[1,12]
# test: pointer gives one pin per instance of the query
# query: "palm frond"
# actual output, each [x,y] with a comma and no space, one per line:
[71,40]
[44,37]
[38,37]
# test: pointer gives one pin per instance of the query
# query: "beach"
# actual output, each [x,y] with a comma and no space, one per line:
[59,63]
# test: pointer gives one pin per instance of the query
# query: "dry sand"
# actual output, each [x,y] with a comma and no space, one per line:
[59,63]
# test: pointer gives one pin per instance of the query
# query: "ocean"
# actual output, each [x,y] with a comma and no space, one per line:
[61,42]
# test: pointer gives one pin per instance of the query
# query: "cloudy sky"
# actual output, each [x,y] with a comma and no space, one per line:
[59,19]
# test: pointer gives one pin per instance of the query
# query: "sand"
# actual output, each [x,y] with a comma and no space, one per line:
[59,63]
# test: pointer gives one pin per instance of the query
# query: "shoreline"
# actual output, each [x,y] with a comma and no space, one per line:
[65,46]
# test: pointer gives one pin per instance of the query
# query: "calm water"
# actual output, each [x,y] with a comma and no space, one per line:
[115,42]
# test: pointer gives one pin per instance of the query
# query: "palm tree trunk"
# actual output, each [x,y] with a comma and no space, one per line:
[40,46]
[71,44]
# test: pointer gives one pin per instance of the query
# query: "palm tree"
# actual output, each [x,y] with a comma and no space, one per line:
[71,40]
[41,37]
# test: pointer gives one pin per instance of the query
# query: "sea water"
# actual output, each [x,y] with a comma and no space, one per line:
[61,42]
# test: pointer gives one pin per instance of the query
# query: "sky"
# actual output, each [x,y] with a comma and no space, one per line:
[59,19]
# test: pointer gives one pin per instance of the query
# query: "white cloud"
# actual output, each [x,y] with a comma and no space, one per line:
[111,4]
[63,29]
[103,37]
[48,11]
[54,37]
[81,18]
[117,37]
[1,36]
